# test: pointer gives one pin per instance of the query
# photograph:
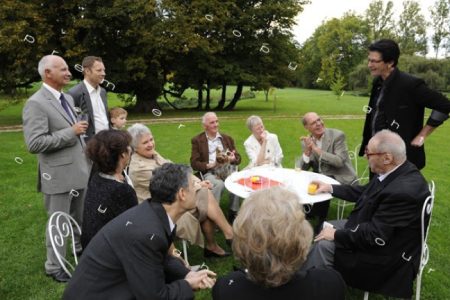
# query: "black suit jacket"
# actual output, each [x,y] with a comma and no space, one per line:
[316,283]
[200,152]
[404,102]
[128,259]
[379,249]
[82,100]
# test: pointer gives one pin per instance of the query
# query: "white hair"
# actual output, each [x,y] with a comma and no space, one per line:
[137,131]
[206,115]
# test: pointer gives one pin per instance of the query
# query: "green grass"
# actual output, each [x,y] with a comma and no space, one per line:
[23,216]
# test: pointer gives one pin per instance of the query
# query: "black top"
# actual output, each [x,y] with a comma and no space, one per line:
[105,200]
[315,283]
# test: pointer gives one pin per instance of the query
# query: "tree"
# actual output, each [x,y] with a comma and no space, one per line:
[440,21]
[379,20]
[411,33]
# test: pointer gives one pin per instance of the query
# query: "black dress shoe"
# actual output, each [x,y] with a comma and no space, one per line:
[209,254]
[59,276]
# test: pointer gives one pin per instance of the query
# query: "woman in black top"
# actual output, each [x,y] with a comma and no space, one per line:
[109,191]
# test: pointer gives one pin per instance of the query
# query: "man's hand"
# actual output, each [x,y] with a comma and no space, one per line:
[203,279]
[327,233]
[211,165]
[307,141]
[322,187]
[80,127]
[206,184]
[418,141]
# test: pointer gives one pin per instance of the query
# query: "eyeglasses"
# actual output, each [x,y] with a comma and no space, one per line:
[374,61]
[368,154]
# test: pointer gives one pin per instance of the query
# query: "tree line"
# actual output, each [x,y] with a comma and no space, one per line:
[154,48]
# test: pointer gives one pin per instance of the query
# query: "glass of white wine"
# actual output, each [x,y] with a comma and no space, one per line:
[298,163]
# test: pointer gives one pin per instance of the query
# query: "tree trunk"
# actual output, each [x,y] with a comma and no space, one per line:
[266,92]
[208,94]
[200,98]
[236,97]
[223,97]
[146,100]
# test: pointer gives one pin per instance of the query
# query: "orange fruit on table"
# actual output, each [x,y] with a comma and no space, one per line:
[312,188]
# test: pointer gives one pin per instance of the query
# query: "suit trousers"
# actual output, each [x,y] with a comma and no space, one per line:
[71,203]
[322,252]
[218,187]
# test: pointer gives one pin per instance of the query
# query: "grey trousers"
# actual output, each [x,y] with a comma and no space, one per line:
[322,252]
[71,203]
[218,187]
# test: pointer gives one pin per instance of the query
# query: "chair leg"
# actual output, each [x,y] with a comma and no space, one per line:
[185,251]
[366,295]
[418,284]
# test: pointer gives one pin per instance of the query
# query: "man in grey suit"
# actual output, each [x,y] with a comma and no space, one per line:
[131,257]
[90,97]
[325,151]
[51,132]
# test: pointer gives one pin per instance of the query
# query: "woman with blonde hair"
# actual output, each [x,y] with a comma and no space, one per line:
[271,240]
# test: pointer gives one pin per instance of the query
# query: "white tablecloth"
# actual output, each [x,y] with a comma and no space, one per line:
[297,181]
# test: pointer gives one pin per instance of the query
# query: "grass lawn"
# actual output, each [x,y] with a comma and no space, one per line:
[23,216]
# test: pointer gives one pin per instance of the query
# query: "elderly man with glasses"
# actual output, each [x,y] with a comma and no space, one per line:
[378,248]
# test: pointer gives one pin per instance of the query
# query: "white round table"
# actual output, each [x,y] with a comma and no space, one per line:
[239,183]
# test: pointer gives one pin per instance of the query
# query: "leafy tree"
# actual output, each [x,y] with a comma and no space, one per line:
[380,20]
[411,33]
[440,21]
[338,84]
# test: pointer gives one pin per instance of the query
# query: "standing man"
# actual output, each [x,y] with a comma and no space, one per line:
[129,257]
[90,97]
[378,248]
[398,101]
[325,151]
[203,157]
[51,132]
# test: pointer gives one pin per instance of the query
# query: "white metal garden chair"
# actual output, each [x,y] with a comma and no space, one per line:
[61,229]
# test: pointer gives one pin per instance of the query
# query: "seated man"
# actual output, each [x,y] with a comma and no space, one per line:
[203,157]
[378,248]
[325,151]
[128,258]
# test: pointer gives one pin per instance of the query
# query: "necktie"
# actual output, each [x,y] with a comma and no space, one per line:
[65,105]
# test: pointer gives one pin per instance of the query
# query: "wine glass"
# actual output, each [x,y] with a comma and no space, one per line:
[298,163]
[83,117]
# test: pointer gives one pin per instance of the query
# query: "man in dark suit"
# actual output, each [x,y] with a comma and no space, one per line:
[203,157]
[51,132]
[90,97]
[378,248]
[398,101]
[325,151]
[129,259]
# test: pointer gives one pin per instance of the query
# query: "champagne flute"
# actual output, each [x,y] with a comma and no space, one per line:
[83,116]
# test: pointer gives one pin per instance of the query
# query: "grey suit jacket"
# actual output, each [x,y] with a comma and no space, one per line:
[48,133]
[82,100]
[334,160]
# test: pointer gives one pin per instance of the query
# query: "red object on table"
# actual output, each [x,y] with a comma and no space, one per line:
[263,182]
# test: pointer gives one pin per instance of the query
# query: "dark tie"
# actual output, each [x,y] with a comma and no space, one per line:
[65,105]
[173,233]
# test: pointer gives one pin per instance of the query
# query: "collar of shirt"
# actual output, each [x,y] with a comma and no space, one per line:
[382,177]
[90,88]
[171,223]
[213,139]
[54,92]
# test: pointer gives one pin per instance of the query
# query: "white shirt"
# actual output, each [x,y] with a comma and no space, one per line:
[171,223]
[100,118]
[213,144]
[382,177]
[57,95]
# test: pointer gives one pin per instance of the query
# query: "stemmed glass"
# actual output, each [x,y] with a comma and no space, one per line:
[82,116]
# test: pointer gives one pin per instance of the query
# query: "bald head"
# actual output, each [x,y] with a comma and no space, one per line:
[54,71]
[390,142]
[314,124]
